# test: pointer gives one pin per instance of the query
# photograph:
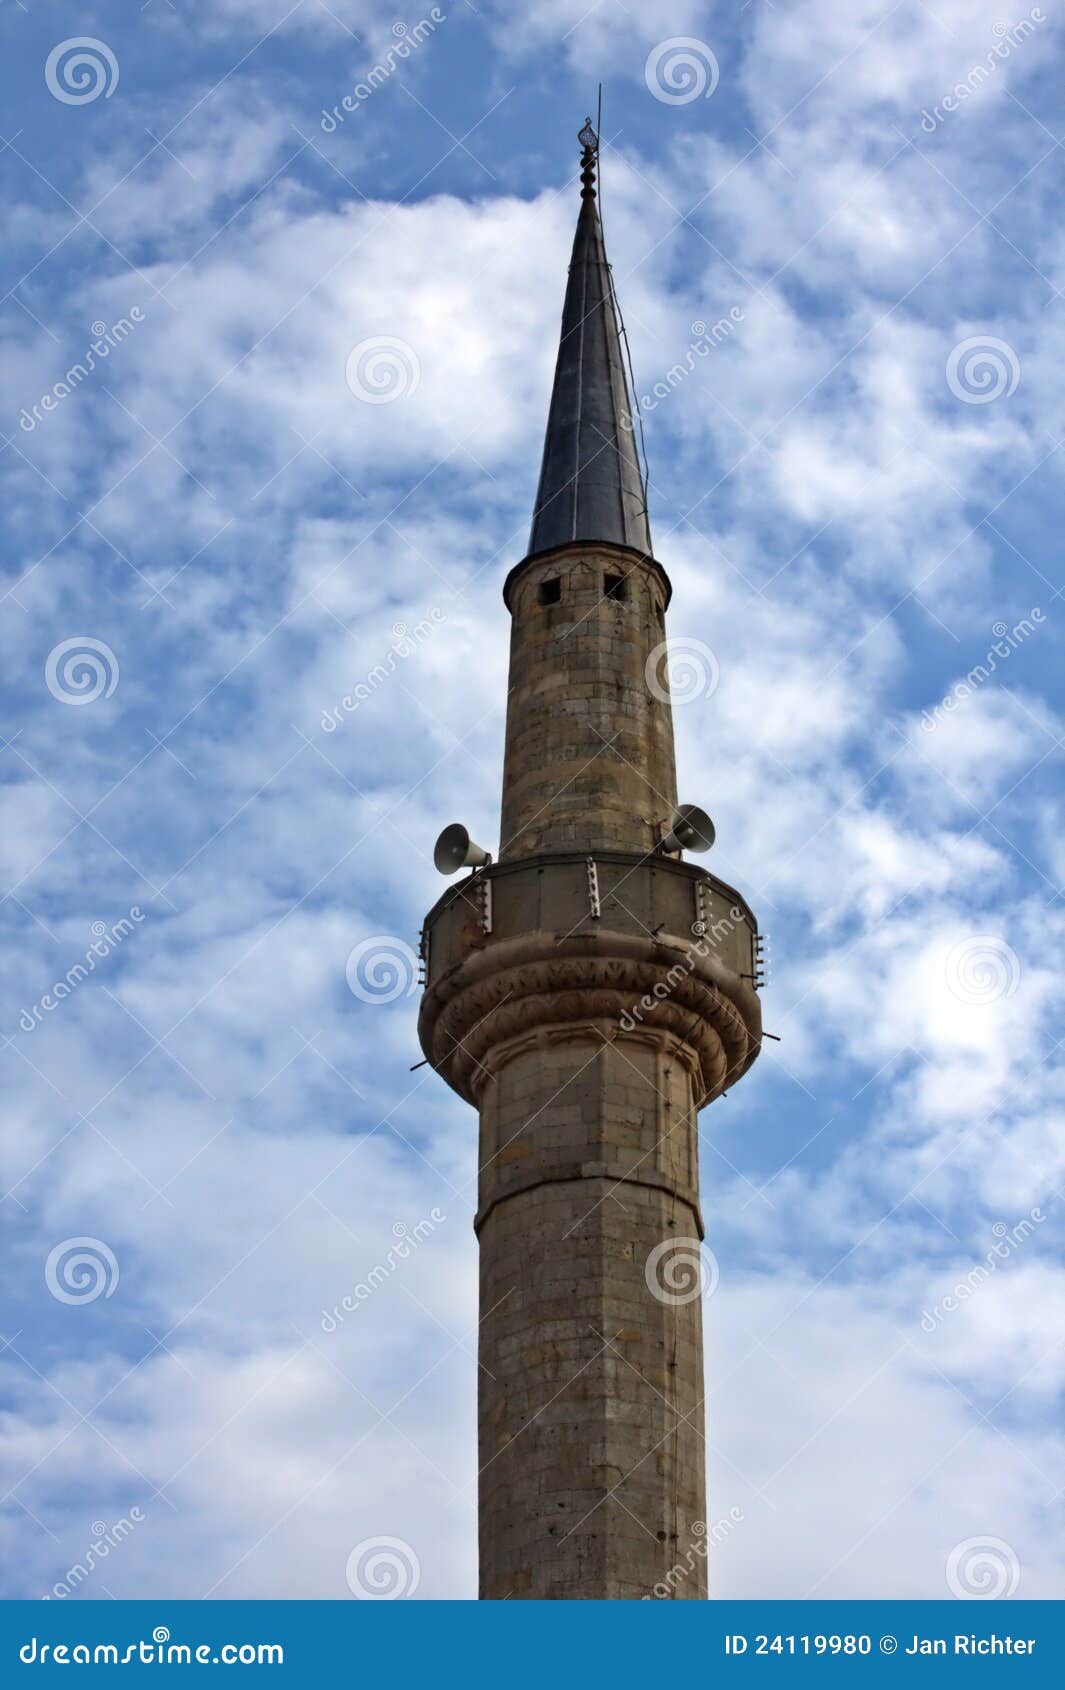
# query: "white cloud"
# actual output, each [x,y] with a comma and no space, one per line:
[808,476]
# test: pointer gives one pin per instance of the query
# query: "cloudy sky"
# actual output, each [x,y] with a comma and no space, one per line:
[276,378]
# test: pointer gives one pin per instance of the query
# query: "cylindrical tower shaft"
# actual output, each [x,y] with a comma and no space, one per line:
[590,1401]
[589,761]
[591,1436]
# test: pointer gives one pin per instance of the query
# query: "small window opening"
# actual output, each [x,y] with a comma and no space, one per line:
[551,591]
[614,586]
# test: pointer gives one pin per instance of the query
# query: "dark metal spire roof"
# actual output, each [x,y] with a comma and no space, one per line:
[590,487]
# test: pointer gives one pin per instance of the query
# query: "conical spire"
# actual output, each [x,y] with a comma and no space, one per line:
[590,487]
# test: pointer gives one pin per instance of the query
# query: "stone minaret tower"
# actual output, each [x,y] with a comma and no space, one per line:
[588,993]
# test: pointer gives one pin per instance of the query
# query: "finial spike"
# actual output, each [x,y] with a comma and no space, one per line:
[589,140]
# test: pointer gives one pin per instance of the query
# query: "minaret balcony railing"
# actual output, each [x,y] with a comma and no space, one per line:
[638,945]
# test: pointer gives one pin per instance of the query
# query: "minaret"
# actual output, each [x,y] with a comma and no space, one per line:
[588,993]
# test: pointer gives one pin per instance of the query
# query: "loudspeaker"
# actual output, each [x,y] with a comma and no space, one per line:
[455,849]
[692,830]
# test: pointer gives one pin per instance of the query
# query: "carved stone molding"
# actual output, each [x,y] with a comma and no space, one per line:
[626,987]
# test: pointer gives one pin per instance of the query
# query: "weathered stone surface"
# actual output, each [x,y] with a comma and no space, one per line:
[591,1420]
[589,747]
[588,1017]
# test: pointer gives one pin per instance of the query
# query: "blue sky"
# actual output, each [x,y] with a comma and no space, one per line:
[857,494]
